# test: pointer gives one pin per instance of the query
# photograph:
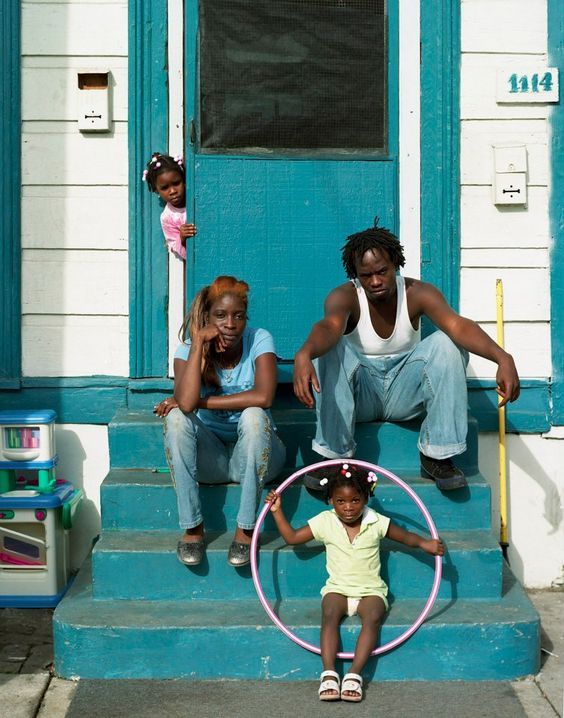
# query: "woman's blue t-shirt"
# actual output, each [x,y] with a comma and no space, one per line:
[233,381]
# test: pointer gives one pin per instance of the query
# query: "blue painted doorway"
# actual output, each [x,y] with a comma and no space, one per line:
[292,123]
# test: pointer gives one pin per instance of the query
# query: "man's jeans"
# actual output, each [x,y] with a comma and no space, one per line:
[431,379]
[196,455]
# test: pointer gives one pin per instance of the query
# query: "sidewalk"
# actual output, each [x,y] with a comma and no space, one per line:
[29,690]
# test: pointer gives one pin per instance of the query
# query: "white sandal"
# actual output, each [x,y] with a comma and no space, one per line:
[352,683]
[329,682]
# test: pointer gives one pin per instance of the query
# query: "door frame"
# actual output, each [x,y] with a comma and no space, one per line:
[148,129]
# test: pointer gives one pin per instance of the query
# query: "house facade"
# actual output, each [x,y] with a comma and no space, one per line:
[92,302]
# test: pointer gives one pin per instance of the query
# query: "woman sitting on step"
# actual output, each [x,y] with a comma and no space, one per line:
[218,426]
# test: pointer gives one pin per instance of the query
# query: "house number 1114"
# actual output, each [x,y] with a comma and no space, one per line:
[531,83]
[535,85]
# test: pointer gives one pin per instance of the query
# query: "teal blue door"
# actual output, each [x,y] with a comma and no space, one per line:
[292,116]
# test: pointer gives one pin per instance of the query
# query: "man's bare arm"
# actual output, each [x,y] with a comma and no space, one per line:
[324,335]
[470,336]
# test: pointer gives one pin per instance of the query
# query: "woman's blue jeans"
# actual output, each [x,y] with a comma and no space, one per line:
[430,379]
[196,455]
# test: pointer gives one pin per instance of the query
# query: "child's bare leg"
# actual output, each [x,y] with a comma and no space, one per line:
[333,608]
[371,610]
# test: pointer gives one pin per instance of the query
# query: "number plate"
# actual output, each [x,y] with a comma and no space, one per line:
[525,86]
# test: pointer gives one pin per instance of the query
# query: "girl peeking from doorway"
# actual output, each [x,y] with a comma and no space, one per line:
[165,176]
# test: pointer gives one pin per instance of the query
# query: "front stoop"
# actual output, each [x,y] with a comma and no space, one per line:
[135,612]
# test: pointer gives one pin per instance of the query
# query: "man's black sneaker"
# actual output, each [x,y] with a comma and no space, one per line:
[313,481]
[444,473]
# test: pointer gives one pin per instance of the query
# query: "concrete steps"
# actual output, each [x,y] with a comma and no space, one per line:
[201,639]
[136,441]
[139,498]
[136,612]
[472,568]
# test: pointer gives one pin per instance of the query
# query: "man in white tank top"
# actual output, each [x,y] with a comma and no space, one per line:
[366,362]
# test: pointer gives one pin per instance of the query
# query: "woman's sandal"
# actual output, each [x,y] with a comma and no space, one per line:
[352,683]
[329,682]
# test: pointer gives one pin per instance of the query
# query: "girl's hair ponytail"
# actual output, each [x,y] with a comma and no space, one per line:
[159,164]
[349,475]
[197,319]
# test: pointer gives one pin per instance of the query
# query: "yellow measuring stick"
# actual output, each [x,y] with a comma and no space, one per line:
[503,535]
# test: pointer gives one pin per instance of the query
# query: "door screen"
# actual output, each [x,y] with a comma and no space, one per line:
[301,76]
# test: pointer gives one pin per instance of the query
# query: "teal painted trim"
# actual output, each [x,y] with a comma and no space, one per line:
[440,146]
[95,400]
[192,114]
[10,191]
[556,59]
[148,132]
[530,414]
[393,81]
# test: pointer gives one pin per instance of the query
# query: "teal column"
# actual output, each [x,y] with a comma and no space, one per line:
[556,59]
[440,146]
[10,192]
[148,132]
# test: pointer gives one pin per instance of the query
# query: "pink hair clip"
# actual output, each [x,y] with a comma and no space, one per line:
[158,164]
[144,175]
[179,161]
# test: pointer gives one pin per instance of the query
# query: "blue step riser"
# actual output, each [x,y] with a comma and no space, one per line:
[466,574]
[145,508]
[434,653]
[393,446]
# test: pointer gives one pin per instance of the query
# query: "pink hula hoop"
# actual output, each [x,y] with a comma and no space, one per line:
[432,530]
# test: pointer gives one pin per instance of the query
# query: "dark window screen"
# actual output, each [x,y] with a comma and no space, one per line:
[293,75]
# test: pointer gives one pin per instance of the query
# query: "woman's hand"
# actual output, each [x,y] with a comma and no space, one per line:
[209,333]
[163,407]
[273,497]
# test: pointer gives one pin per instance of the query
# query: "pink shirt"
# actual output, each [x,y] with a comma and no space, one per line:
[171,220]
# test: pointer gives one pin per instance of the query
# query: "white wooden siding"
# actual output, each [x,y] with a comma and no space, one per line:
[86,282]
[503,26]
[74,28]
[56,153]
[506,242]
[526,293]
[528,342]
[478,137]
[485,225]
[67,217]
[74,194]
[478,78]
[50,86]
[59,345]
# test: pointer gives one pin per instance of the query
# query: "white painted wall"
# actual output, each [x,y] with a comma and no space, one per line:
[512,244]
[74,193]
[509,243]
[535,476]
[84,461]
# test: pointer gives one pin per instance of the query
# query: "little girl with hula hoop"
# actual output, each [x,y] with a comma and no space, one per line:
[351,533]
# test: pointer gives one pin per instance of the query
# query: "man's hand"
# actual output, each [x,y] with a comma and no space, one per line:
[507,379]
[304,377]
